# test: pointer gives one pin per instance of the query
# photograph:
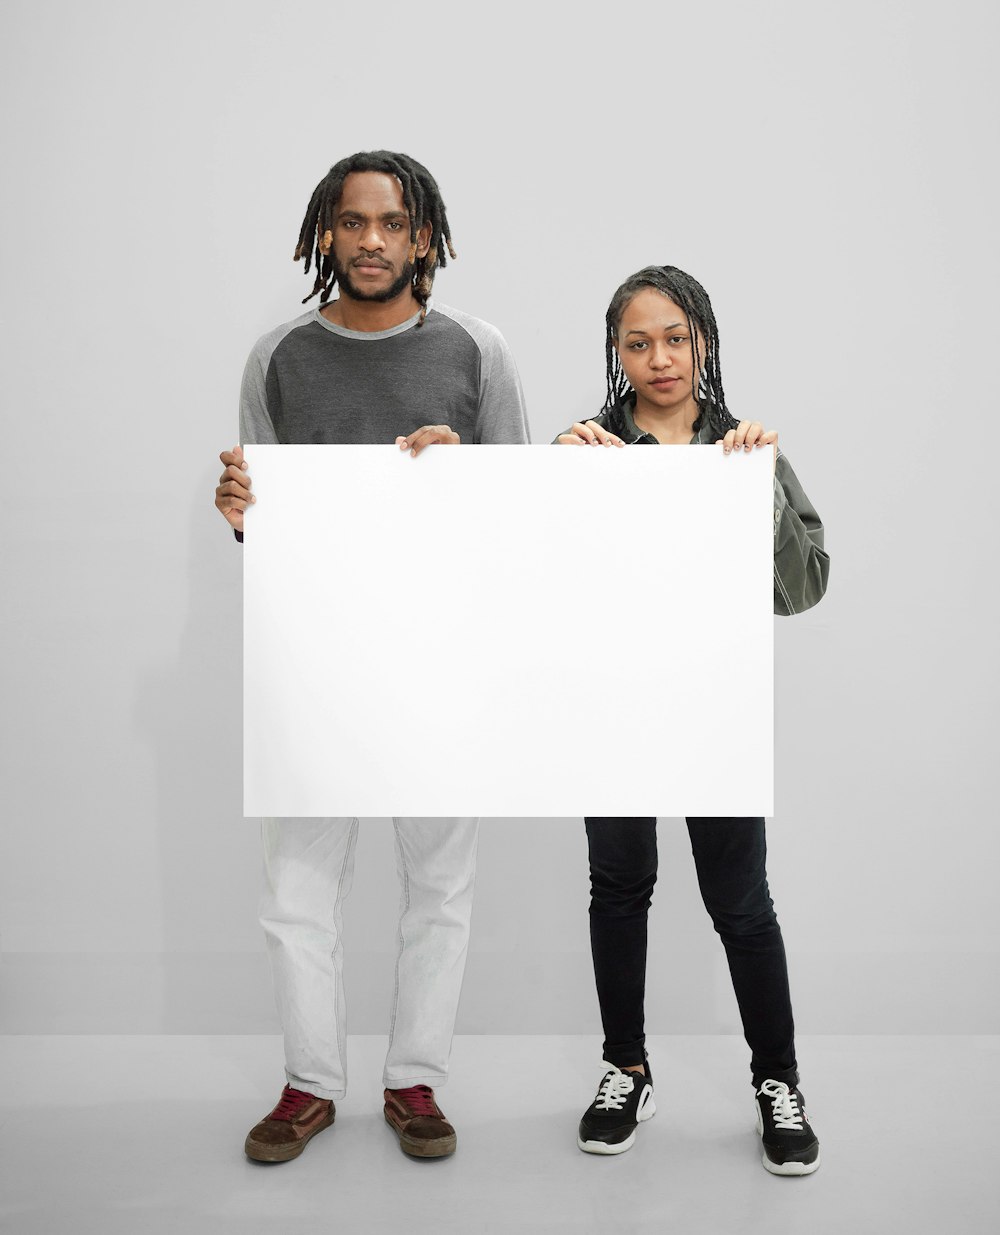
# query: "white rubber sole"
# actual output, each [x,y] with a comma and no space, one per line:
[784,1168]
[646,1111]
[789,1168]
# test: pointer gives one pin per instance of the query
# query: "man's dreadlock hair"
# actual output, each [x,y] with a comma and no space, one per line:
[706,377]
[423,204]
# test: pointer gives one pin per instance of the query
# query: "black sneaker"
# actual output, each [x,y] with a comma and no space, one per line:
[624,1100]
[790,1145]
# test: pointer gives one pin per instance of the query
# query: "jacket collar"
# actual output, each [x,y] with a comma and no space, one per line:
[622,413]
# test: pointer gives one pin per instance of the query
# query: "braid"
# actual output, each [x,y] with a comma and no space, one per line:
[422,199]
[706,375]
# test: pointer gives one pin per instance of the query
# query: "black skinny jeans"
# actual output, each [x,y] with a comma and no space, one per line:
[730,859]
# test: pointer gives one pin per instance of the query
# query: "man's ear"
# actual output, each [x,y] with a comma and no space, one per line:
[424,240]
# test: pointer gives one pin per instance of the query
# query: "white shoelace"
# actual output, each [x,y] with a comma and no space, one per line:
[614,1089]
[784,1106]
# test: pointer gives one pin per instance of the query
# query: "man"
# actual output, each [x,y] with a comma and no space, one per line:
[381,363]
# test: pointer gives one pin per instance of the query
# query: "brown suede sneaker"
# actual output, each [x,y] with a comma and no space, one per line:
[419,1122]
[294,1121]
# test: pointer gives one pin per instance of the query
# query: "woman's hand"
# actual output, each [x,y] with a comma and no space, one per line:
[746,435]
[589,434]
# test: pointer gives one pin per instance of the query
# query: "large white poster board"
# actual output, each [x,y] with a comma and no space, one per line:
[508,630]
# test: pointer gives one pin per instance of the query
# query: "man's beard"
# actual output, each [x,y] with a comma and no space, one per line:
[403,280]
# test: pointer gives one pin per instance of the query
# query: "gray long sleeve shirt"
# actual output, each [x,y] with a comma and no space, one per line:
[310,381]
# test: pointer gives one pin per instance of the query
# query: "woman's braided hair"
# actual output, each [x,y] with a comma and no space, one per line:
[706,376]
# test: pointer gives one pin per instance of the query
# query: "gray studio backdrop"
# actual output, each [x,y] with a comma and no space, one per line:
[821,169]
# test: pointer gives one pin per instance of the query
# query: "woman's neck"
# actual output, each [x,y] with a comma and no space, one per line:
[672,426]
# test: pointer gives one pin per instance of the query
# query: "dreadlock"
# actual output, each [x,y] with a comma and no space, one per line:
[706,376]
[423,204]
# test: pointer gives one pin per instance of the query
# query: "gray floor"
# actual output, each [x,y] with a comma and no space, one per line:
[144,1134]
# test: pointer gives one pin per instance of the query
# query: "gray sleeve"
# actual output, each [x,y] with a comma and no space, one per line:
[256,426]
[801,564]
[255,422]
[501,418]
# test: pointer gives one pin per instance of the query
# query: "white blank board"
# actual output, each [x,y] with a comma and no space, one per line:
[508,631]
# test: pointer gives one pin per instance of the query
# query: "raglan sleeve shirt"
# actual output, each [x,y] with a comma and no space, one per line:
[465,359]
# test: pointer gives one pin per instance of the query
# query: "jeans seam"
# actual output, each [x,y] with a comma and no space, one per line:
[404,906]
[339,1019]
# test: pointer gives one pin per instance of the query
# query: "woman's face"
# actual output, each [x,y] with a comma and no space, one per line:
[654,345]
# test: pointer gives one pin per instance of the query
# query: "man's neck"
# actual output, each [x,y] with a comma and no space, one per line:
[371,315]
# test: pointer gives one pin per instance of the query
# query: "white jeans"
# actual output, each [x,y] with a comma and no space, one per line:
[308,865]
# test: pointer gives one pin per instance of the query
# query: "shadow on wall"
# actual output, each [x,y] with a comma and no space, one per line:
[189,707]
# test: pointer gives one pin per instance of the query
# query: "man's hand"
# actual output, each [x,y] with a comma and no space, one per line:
[233,494]
[589,434]
[747,435]
[423,437]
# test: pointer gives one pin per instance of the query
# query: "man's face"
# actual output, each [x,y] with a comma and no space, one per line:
[371,238]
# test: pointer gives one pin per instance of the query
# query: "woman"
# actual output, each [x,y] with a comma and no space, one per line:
[665,388]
